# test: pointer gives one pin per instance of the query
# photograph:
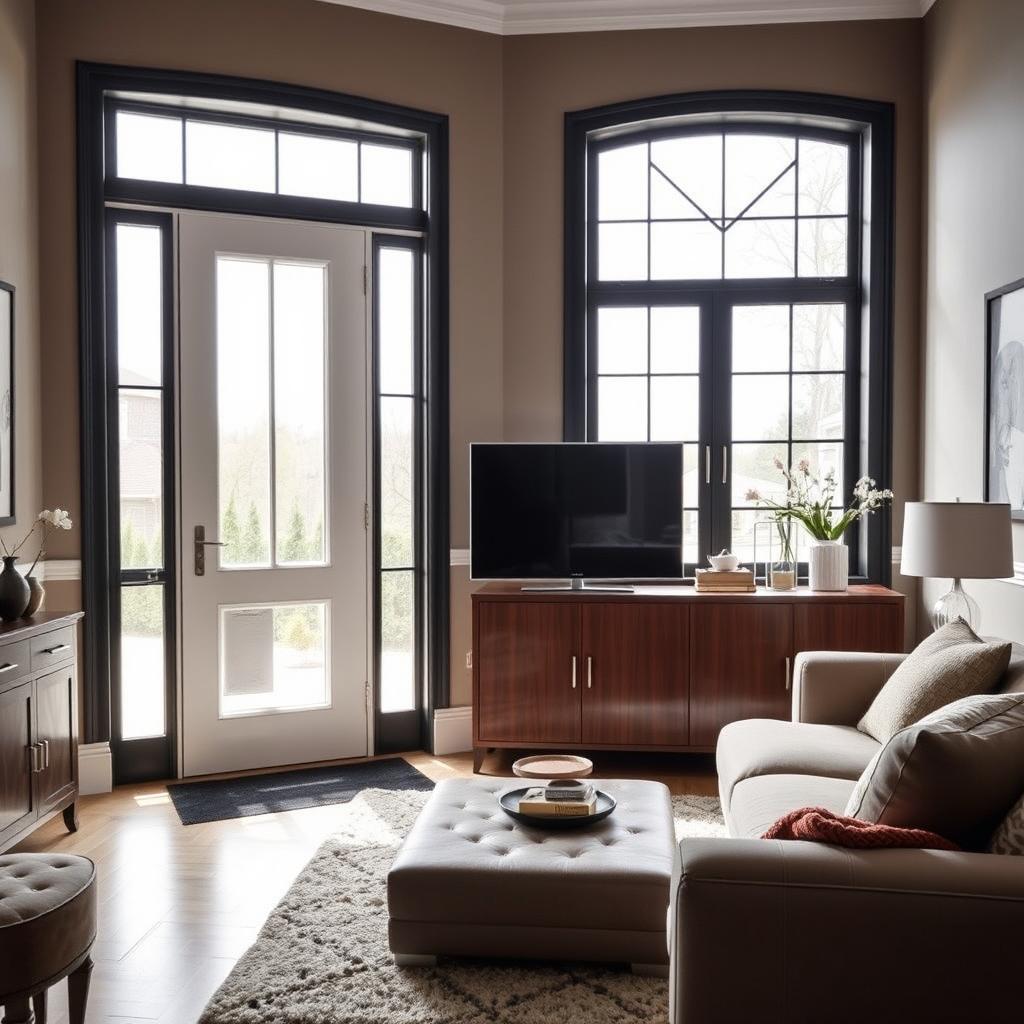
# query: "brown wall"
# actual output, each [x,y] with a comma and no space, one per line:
[19,255]
[974,90]
[506,99]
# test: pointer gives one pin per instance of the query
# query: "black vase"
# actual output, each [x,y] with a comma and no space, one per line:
[14,591]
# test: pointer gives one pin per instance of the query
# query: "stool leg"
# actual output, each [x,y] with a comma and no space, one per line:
[18,1011]
[78,992]
[39,1005]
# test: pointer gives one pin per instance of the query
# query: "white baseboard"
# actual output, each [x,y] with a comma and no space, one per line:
[95,768]
[453,729]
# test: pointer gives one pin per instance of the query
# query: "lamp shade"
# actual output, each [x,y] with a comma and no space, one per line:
[957,540]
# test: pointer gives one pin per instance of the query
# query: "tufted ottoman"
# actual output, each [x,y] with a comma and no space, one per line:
[47,927]
[470,881]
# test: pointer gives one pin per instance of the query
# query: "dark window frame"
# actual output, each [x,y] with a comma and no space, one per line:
[154,756]
[399,730]
[97,82]
[868,410]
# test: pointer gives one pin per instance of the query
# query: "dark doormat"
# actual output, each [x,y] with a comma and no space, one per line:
[249,795]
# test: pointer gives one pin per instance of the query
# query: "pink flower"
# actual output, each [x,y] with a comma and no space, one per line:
[778,463]
[753,495]
[804,466]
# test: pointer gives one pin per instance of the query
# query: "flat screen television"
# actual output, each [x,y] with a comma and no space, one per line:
[575,511]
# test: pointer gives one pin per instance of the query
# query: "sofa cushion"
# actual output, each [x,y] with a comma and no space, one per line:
[956,772]
[765,746]
[758,802]
[1013,677]
[1008,838]
[953,662]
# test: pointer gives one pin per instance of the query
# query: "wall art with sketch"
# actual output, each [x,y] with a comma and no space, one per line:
[1004,400]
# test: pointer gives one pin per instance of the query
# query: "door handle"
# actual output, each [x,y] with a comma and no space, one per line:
[46,753]
[590,671]
[788,680]
[725,463]
[34,759]
[574,671]
[707,463]
[199,546]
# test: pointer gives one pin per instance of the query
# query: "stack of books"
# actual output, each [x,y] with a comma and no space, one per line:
[738,581]
[559,800]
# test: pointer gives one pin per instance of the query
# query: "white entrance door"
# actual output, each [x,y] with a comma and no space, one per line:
[274,470]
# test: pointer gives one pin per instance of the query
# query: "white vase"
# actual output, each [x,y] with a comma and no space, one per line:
[829,565]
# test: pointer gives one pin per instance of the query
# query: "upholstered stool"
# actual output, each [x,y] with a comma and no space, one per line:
[471,881]
[47,927]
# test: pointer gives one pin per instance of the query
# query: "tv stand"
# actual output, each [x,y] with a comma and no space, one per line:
[577,584]
[654,668]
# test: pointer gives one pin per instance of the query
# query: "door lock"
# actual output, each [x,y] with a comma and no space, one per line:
[199,546]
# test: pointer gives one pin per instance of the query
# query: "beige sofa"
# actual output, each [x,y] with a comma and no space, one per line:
[771,931]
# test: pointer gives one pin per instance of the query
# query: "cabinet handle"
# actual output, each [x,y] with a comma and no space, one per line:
[55,649]
[590,671]
[725,463]
[707,463]
[35,762]
[574,671]
[8,665]
[46,753]
[788,681]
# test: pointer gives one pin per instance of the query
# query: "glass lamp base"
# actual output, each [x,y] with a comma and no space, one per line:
[956,604]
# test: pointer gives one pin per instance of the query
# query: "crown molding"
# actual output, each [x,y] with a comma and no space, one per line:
[533,17]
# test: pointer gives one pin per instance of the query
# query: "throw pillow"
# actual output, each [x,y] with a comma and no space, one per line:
[820,825]
[956,772]
[1009,837]
[951,663]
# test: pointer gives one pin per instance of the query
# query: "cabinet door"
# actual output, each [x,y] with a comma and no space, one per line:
[739,666]
[635,674]
[528,671]
[56,732]
[848,627]
[16,804]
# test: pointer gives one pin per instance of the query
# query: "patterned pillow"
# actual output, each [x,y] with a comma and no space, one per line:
[1009,837]
[951,663]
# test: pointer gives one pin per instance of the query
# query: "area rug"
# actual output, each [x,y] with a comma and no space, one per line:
[322,957]
[246,795]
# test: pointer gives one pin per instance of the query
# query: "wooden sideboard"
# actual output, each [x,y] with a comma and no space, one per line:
[663,668]
[38,724]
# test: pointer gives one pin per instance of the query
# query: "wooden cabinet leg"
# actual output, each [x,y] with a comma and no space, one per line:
[39,1005]
[478,759]
[18,1011]
[78,992]
[71,817]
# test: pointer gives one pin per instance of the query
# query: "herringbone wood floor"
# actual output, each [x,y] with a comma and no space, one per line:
[179,905]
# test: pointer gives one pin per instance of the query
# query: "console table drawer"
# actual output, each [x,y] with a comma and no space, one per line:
[15,661]
[52,648]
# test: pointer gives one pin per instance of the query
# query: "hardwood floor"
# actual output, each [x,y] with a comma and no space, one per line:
[179,905]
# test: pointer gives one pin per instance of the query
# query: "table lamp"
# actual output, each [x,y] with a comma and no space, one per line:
[957,540]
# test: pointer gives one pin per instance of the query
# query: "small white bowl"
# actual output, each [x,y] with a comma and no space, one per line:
[724,563]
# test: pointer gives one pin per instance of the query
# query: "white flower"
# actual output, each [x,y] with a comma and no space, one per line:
[59,518]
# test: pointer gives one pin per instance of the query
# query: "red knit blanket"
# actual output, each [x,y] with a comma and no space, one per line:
[819,825]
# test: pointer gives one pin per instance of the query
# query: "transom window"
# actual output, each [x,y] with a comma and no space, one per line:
[154,144]
[723,303]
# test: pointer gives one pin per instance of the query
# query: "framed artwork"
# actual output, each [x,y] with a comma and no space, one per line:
[6,403]
[1004,398]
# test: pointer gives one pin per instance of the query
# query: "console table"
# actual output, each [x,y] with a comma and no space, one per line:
[662,668]
[38,724]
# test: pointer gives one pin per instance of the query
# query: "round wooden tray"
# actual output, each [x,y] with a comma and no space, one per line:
[509,803]
[553,767]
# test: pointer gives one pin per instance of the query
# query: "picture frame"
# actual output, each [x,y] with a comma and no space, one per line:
[7,516]
[1004,396]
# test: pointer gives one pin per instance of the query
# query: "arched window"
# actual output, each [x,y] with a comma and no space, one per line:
[721,280]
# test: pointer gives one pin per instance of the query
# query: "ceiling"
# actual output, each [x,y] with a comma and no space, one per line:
[530,17]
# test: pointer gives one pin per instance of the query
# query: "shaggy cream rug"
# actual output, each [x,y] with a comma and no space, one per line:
[322,957]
